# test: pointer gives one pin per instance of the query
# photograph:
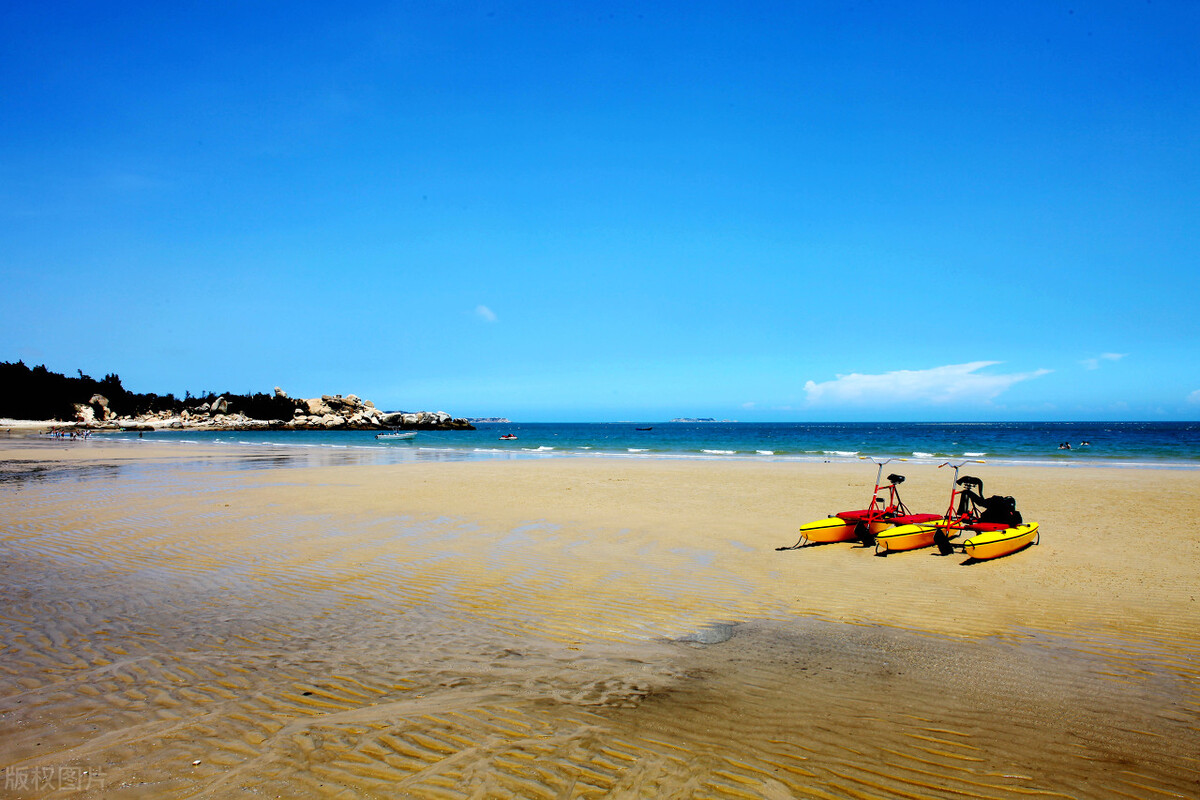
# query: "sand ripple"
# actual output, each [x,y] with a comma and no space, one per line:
[154,621]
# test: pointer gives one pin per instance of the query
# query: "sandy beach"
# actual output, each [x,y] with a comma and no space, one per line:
[206,622]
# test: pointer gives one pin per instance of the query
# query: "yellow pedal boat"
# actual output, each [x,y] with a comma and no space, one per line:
[993,544]
[906,537]
[835,529]
[864,524]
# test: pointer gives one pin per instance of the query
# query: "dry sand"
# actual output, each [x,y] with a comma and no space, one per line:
[203,623]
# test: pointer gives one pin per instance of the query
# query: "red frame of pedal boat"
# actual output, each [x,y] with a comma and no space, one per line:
[894,503]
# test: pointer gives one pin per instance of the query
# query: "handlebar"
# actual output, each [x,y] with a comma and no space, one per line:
[881,463]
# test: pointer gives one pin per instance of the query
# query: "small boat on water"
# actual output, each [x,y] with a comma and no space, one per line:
[643,429]
[394,435]
[508,436]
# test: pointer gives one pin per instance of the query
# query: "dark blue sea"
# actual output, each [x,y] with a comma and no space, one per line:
[1157,444]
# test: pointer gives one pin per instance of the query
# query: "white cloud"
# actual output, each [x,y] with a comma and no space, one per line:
[749,405]
[954,383]
[485,313]
[1194,397]
[1094,363]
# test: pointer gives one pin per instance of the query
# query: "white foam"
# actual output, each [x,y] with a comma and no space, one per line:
[719,452]
[846,453]
[541,449]
[765,452]
[638,450]
[975,455]
[922,455]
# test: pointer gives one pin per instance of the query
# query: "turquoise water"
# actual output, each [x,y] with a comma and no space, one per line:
[1168,444]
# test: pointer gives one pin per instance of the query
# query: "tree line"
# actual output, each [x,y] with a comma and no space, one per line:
[38,393]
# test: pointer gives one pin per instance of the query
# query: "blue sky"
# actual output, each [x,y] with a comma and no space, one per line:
[547,211]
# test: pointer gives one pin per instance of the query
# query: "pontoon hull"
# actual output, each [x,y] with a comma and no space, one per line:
[993,544]
[905,537]
[836,529]
[830,529]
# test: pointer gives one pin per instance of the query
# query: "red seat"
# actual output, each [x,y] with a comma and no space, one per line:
[983,527]
[914,519]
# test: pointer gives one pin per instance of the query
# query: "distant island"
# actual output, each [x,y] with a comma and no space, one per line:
[41,395]
[701,419]
[505,420]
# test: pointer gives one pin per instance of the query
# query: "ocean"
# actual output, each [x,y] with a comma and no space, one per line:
[1119,444]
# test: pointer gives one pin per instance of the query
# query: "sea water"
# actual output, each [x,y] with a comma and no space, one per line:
[1160,444]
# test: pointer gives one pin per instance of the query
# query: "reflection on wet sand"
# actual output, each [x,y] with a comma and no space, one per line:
[188,631]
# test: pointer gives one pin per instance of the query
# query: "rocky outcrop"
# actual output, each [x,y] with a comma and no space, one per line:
[327,412]
[85,414]
[334,412]
[424,420]
[94,410]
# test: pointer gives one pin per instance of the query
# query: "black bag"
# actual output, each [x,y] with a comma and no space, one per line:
[1002,509]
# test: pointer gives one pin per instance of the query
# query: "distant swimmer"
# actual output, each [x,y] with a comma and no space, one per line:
[1065,446]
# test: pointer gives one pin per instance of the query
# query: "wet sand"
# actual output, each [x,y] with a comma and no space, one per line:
[581,628]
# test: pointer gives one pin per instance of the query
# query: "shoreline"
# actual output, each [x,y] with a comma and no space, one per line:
[33,433]
[423,628]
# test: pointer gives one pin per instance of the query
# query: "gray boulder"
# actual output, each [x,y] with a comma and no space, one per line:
[317,407]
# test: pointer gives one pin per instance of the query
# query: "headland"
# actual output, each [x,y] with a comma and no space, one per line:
[38,399]
[328,412]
